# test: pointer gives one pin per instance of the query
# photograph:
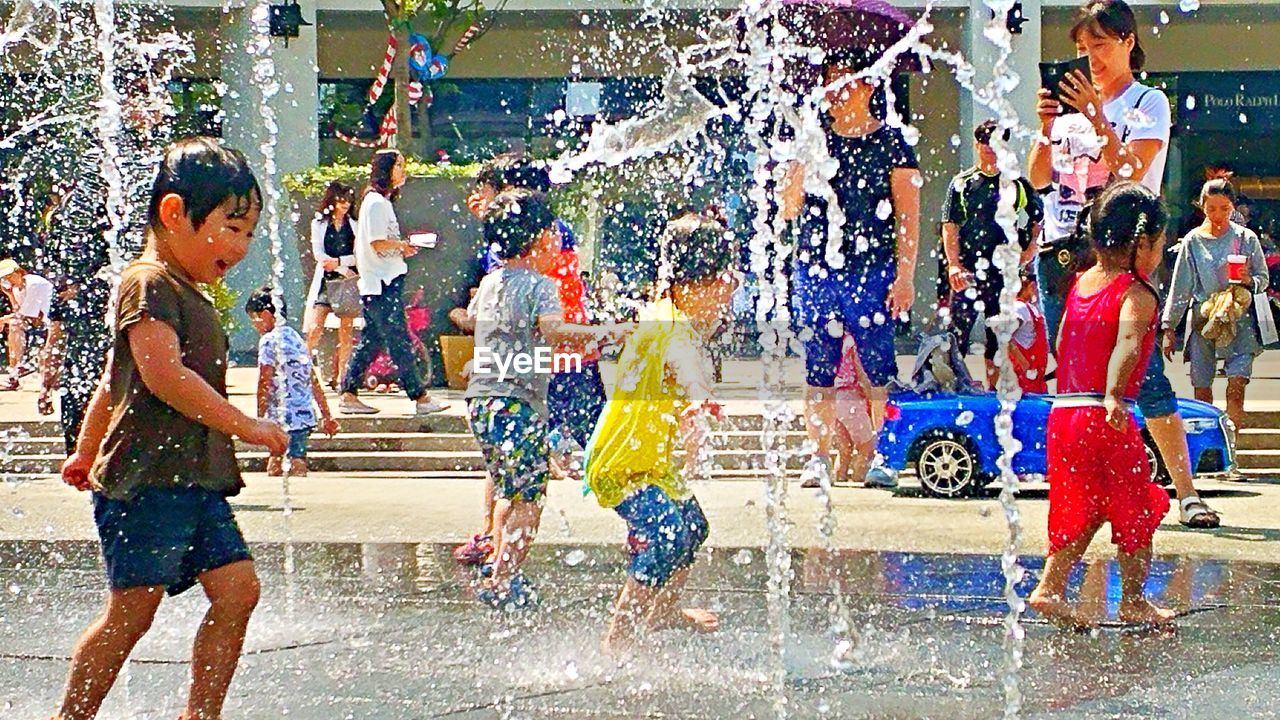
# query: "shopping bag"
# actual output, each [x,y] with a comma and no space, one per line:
[1268,334]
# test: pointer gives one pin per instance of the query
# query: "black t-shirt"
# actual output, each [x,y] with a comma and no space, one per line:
[972,202]
[863,188]
[338,242]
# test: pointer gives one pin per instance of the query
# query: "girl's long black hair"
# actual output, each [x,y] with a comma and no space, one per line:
[1121,218]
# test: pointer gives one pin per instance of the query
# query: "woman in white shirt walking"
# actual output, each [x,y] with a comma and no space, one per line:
[333,286]
[380,260]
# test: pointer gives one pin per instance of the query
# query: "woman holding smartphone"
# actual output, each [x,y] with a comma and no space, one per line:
[1121,133]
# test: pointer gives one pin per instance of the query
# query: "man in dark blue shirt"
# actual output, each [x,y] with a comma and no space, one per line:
[870,282]
[970,236]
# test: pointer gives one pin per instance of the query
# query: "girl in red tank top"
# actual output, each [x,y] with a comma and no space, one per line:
[1097,467]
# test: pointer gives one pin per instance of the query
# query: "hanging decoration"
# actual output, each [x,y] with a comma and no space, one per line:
[424,67]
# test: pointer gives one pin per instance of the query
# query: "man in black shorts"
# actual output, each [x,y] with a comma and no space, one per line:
[970,236]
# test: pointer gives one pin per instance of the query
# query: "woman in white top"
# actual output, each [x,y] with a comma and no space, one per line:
[333,286]
[380,260]
[1121,132]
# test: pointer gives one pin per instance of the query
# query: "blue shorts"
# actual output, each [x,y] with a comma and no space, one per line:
[298,440]
[575,401]
[1155,397]
[1203,355]
[167,537]
[859,305]
[662,534]
[513,439]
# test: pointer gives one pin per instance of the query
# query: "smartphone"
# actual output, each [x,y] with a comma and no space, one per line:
[1052,74]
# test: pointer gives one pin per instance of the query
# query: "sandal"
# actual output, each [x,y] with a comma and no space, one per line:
[9,384]
[1195,514]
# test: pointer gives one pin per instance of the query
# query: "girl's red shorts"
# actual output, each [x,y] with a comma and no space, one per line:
[1099,474]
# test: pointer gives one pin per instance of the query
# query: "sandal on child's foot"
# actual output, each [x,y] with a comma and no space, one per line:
[1195,514]
[475,550]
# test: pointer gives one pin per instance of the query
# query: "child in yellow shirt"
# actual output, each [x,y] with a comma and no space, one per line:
[663,385]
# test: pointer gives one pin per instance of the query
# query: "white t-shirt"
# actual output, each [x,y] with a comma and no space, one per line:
[377,221]
[34,299]
[1138,113]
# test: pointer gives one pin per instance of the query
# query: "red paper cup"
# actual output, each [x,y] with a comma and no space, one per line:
[1236,268]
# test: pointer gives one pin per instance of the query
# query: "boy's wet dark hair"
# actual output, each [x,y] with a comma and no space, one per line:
[987,130]
[261,300]
[515,220]
[1111,18]
[206,175]
[697,247]
[514,170]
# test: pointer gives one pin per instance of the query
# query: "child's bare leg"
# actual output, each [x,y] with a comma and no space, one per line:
[860,462]
[667,613]
[519,527]
[103,648]
[820,417]
[1050,596]
[297,467]
[1093,592]
[233,594]
[635,604]
[1235,400]
[490,511]
[1134,605]
[844,455]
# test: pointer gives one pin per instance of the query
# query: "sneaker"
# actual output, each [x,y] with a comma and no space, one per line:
[880,477]
[474,551]
[519,595]
[814,470]
[430,407]
[353,406]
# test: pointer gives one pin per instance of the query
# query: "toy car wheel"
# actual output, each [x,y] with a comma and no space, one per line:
[948,468]
[1159,475]
[371,382]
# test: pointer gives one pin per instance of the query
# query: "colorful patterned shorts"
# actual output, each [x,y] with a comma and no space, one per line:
[513,439]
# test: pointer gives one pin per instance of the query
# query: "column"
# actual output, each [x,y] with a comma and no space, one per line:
[983,54]
[297,146]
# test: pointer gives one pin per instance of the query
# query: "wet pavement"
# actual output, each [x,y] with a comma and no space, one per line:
[381,630]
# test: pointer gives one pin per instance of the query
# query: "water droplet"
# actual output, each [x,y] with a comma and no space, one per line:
[742,557]
[586,19]
[571,669]
[1189,6]
[884,209]
[964,418]
[573,558]
[1164,17]
[1191,102]
[1244,119]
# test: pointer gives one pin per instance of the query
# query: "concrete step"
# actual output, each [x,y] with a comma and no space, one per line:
[452,459]
[1258,438]
[1259,460]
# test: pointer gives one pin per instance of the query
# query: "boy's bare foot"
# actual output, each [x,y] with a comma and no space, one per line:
[275,467]
[700,620]
[1144,612]
[1058,611]
[696,619]
[297,468]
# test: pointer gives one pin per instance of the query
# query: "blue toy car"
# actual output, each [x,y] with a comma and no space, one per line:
[950,439]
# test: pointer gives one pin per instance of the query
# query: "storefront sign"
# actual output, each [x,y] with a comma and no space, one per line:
[1243,102]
